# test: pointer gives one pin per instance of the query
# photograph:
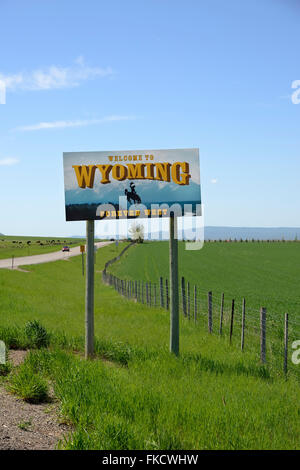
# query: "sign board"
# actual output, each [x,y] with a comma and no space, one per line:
[82,248]
[129,184]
